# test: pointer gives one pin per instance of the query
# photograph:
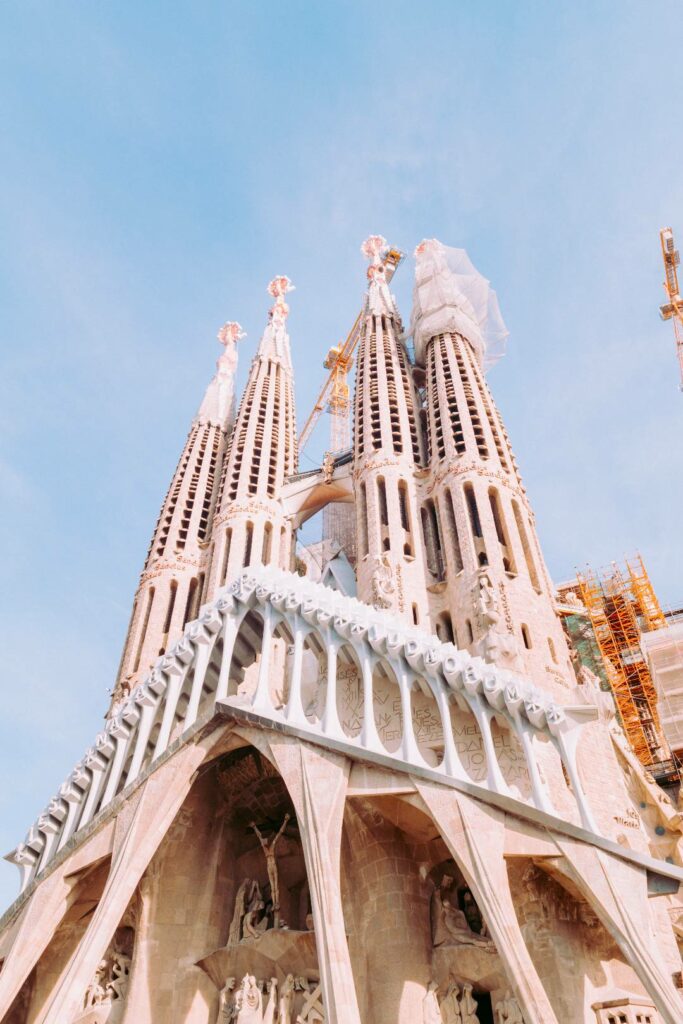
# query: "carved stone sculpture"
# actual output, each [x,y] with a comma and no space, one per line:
[431,1011]
[284,1015]
[269,1015]
[227,1010]
[241,901]
[96,992]
[383,586]
[450,1005]
[119,974]
[251,1002]
[508,1011]
[449,924]
[468,1006]
[268,847]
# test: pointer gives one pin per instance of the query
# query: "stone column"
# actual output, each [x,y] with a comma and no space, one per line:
[140,829]
[617,891]
[475,836]
[317,782]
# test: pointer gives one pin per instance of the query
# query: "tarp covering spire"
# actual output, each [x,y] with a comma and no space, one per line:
[450,295]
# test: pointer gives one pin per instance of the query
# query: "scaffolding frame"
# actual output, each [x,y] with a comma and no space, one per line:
[622,604]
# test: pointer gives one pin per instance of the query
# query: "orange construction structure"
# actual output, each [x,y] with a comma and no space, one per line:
[673,307]
[622,604]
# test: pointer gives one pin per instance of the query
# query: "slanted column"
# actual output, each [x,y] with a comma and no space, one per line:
[73,791]
[175,671]
[566,740]
[121,733]
[26,860]
[331,725]
[97,763]
[317,782]
[409,749]
[369,736]
[262,700]
[294,712]
[147,701]
[203,641]
[475,836]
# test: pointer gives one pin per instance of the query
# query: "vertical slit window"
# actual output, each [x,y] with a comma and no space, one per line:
[267,543]
[247,544]
[226,556]
[475,525]
[190,604]
[501,532]
[526,636]
[143,631]
[453,528]
[383,513]
[432,539]
[169,615]
[404,510]
[524,538]
[363,528]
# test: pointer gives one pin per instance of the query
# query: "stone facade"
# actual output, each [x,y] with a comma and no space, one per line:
[385,800]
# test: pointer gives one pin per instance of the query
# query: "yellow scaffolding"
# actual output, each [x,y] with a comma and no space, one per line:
[622,604]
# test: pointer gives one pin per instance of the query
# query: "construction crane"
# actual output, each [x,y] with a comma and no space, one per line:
[335,394]
[673,307]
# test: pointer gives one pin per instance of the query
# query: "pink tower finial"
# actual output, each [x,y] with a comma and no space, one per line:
[231,332]
[278,288]
[372,248]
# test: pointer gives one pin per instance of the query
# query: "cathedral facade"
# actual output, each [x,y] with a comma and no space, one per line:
[381,792]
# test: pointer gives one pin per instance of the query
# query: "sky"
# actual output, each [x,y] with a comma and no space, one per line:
[160,163]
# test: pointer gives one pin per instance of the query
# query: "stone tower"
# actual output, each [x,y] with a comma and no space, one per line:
[249,526]
[173,581]
[320,809]
[489,589]
[390,566]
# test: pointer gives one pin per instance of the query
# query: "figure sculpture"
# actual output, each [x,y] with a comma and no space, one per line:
[449,924]
[227,1008]
[241,903]
[271,1005]
[119,974]
[383,587]
[431,1011]
[450,1005]
[250,1010]
[468,1006]
[96,992]
[284,1015]
[508,1011]
[268,847]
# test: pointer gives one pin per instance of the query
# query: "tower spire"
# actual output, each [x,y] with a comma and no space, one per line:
[490,587]
[173,581]
[386,453]
[250,527]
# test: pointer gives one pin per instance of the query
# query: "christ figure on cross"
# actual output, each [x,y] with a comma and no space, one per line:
[268,846]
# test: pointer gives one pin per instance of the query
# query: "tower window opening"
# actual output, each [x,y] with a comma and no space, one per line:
[468,630]
[247,544]
[459,348]
[143,631]
[551,648]
[432,539]
[444,629]
[416,615]
[226,555]
[530,564]
[383,513]
[475,525]
[169,615]
[451,399]
[501,532]
[201,580]
[192,601]
[453,530]
[285,554]
[404,508]
[267,543]
[526,636]
[363,524]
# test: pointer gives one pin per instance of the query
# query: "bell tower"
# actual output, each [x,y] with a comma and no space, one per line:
[387,455]
[489,587]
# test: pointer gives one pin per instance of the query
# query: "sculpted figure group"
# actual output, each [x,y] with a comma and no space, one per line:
[110,981]
[259,1002]
[452,926]
[253,914]
[456,1007]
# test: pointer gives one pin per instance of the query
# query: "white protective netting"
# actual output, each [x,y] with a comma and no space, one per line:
[450,295]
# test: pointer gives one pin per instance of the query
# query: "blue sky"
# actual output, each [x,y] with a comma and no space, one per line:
[161,162]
